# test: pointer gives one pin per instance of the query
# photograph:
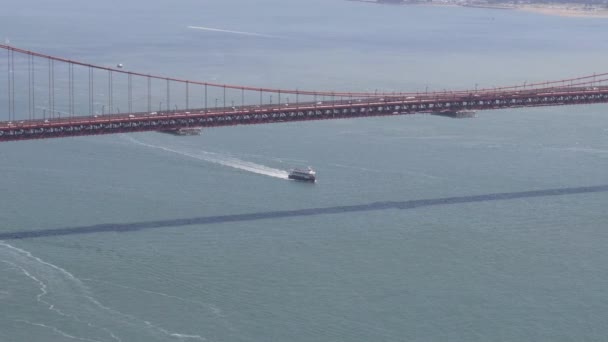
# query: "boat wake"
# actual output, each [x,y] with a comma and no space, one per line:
[65,306]
[217,158]
[253,34]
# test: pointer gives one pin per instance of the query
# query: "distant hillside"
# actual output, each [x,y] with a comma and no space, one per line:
[516,2]
[579,2]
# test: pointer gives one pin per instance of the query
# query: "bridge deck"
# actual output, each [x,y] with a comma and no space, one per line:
[353,108]
[580,90]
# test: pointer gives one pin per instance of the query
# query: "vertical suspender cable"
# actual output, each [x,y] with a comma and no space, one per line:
[53,88]
[29,86]
[13,82]
[130,91]
[168,98]
[8,79]
[205,97]
[187,94]
[110,92]
[72,104]
[70,89]
[73,91]
[149,94]
[49,84]
[92,90]
[33,87]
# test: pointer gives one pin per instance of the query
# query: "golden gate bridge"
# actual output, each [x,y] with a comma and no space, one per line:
[54,93]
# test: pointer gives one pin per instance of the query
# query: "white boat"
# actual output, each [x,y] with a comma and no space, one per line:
[307,175]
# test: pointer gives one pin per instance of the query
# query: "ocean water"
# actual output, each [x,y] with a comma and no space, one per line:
[420,228]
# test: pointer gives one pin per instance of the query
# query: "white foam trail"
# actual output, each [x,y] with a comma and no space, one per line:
[212,308]
[186,336]
[57,330]
[60,288]
[4,294]
[220,159]
[253,34]
[44,289]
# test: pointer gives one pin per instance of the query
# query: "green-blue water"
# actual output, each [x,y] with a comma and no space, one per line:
[526,269]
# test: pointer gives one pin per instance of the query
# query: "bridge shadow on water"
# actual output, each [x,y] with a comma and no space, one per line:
[267,215]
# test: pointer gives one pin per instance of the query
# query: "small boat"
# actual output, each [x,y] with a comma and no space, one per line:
[307,175]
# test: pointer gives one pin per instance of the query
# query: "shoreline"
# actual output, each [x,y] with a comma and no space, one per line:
[554,9]
[565,10]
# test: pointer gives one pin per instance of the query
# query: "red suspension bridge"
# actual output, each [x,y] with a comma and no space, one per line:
[54,93]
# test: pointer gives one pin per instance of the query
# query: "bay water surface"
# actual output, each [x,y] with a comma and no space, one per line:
[420,228]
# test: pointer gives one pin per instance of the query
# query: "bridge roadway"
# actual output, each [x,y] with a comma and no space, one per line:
[445,102]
